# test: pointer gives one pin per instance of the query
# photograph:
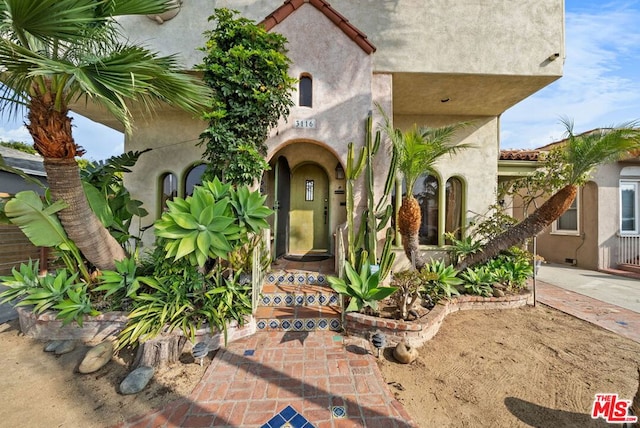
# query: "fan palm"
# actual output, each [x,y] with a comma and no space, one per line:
[418,149]
[581,154]
[57,52]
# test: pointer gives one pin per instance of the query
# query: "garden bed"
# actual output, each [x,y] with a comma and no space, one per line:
[419,331]
[107,326]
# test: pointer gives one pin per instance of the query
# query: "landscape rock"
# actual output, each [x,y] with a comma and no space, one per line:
[96,357]
[404,353]
[65,347]
[136,380]
[498,293]
[52,345]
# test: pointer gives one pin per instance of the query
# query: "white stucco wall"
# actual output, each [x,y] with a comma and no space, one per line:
[434,36]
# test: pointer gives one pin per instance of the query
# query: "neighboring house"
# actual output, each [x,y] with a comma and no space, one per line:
[15,248]
[425,62]
[601,229]
[32,165]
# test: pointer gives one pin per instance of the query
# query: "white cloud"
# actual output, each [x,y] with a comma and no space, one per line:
[19,133]
[601,82]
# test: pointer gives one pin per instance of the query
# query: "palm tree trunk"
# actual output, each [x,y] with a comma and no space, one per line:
[548,212]
[79,221]
[409,218]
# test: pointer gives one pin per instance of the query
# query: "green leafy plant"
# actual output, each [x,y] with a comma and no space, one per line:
[478,281]
[461,248]
[61,292]
[511,271]
[39,222]
[211,223]
[362,288]
[181,298]
[441,280]
[121,284]
[247,68]
[109,198]
[20,282]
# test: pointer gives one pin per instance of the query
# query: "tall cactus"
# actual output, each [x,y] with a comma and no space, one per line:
[374,218]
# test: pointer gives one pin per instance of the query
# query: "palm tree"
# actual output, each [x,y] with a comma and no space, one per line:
[581,154]
[418,149]
[57,52]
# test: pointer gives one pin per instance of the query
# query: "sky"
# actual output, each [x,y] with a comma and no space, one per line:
[600,86]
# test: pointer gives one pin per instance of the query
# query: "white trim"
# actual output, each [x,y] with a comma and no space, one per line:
[568,232]
[636,186]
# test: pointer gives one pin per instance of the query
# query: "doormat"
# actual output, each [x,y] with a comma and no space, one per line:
[307,257]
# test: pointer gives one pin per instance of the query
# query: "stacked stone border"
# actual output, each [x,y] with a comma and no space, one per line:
[418,332]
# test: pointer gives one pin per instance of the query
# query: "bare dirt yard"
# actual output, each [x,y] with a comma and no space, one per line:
[512,368]
[532,366]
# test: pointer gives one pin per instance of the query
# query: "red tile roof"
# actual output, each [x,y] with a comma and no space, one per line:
[526,155]
[289,6]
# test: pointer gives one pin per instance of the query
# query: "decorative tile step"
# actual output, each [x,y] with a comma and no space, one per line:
[298,318]
[300,298]
[295,278]
[300,324]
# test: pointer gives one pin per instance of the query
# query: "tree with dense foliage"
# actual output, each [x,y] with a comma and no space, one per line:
[574,161]
[17,145]
[246,67]
[57,52]
[418,149]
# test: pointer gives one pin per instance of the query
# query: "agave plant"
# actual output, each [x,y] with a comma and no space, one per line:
[440,279]
[211,223]
[362,288]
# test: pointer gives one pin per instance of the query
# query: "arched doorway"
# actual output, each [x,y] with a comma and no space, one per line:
[309,210]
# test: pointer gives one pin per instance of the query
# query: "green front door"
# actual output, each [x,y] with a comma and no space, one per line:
[309,215]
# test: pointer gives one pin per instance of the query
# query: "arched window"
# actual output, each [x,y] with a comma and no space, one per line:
[453,209]
[305,91]
[426,192]
[194,177]
[169,189]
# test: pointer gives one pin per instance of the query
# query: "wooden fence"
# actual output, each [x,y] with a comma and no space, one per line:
[15,248]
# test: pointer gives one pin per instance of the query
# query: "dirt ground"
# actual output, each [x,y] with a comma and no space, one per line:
[514,368]
[520,367]
[40,389]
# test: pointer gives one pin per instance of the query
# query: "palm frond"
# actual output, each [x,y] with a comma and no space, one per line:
[585,151]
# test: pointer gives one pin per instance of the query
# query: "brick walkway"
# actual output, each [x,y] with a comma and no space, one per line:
[272,378]
[619,320]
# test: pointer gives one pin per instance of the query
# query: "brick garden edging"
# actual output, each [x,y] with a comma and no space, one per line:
[107,326]
[418,332]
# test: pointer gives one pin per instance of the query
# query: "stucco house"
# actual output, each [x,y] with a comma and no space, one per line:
[426,62]
[601,230]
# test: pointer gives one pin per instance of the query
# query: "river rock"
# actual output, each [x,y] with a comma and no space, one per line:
[52,345]
[96,357]
[65,347]
[136,380]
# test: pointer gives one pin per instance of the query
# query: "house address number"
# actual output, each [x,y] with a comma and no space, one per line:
[305,123]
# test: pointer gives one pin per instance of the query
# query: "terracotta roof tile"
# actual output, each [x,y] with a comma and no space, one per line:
[289,6]
[525,155]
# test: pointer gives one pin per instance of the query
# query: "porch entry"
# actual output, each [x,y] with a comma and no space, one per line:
[309,210]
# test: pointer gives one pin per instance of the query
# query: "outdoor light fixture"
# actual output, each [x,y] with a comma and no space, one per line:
[339,172]
[445,100]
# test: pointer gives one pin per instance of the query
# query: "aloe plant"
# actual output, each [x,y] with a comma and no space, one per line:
[361,287]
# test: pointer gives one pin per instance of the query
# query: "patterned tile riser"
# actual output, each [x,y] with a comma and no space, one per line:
[297,278]
[308,324]
[299,299]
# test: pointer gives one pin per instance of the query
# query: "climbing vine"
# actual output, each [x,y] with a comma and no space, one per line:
[247,68]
